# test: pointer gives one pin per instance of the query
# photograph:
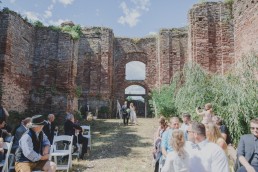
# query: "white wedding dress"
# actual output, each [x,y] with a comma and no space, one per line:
[133,117]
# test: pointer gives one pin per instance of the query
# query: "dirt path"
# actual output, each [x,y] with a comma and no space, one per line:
[119,148]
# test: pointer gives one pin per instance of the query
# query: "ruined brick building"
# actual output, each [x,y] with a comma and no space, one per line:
[43,70]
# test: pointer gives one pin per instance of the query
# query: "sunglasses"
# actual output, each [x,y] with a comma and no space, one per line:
[188,131]
[254,128]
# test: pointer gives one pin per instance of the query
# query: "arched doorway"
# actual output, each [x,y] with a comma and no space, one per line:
[136,94]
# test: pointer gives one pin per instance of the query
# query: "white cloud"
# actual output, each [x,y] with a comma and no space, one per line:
[57,22]
[12,1]
[97,12]
[131,15]
[66,2]
[48,12]
[32,15]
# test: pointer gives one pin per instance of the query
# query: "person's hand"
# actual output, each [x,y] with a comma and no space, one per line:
[44,157]
[250,168]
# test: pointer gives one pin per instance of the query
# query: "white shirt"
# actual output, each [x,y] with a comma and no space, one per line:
[175,163]
[210,158]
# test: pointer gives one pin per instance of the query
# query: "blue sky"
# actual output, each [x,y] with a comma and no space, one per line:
[127,18]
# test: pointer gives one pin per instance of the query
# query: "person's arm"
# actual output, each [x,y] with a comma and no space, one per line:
[241,155]
[200,113]
[6,112]
[164,142]
[222,143]
[168,166]
[219,160]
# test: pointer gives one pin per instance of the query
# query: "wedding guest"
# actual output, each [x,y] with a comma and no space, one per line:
[33,151]
[177,160]
[205,156]
[247,150]
[207,114]
[49,128]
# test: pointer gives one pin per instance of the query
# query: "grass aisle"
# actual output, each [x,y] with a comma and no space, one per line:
[119,148]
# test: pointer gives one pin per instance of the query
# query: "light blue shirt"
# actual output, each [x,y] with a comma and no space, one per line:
[165,141]
[184,128]
[27,147]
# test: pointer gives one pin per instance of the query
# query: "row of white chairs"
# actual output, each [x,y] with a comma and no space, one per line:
[55,152]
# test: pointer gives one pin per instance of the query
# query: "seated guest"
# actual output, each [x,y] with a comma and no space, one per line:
[247,151]
[19,132]
[33,151]
[3,135]
[49,128]
[205,156]
[177,160]
[69,128]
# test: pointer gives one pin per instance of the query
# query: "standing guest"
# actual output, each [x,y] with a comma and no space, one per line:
[204,155]
[125,113]
[247,150]
[223,129]
[157,141]
[19,132]
[207,114]
[70,129]
[49,128]
[3,113]
[213,135]
[4,134]
[177,160]
[33,151]
[166,137]
[186,118]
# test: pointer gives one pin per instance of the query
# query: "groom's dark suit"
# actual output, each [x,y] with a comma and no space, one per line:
[125,114]
[246,148]
[49,130]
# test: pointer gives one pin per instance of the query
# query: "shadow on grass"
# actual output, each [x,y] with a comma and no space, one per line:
[112,139]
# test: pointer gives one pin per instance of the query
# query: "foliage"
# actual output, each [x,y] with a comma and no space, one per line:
[55,28]
[38,23]
[75,31]
[234,95]
[15,118]
[78,91]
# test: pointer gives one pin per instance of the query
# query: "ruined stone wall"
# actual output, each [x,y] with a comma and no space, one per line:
[16,53]
[95,65]
[211,36]
[172,53]
[246,28]
[126,50]
[54,72]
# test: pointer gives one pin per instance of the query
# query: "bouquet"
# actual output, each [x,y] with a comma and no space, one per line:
[128,110]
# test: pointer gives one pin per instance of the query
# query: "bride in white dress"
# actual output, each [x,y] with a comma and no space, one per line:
[133,117]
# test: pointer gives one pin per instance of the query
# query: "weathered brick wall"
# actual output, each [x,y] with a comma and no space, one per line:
[211,36]
[95,63]
[17,49]
[172,53]
[246,27]
[127,50]
[54,72]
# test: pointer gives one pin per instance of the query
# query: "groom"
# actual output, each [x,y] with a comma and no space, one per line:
[125,113]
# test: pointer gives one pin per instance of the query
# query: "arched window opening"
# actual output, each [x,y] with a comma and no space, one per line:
[135,70]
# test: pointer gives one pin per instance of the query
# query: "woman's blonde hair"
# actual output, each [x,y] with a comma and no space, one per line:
[178,142]
[214,132]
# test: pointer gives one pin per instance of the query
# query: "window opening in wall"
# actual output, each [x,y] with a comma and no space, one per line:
[135,70]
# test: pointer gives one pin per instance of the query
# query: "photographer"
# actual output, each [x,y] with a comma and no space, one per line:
[206,114]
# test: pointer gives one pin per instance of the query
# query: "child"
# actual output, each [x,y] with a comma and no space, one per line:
[177,160]
[207,114]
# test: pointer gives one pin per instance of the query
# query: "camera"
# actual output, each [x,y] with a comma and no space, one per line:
[199,107]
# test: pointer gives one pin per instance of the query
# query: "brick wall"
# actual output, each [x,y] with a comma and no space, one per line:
[246,28]
[211,36]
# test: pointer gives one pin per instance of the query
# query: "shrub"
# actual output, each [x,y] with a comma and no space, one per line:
[234,95]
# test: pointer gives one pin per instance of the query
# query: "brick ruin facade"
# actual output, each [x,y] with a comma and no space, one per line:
[43,71]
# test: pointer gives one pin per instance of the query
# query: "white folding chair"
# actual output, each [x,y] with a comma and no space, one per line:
[56,152]
[78,152]
[86,133]
[8,147]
